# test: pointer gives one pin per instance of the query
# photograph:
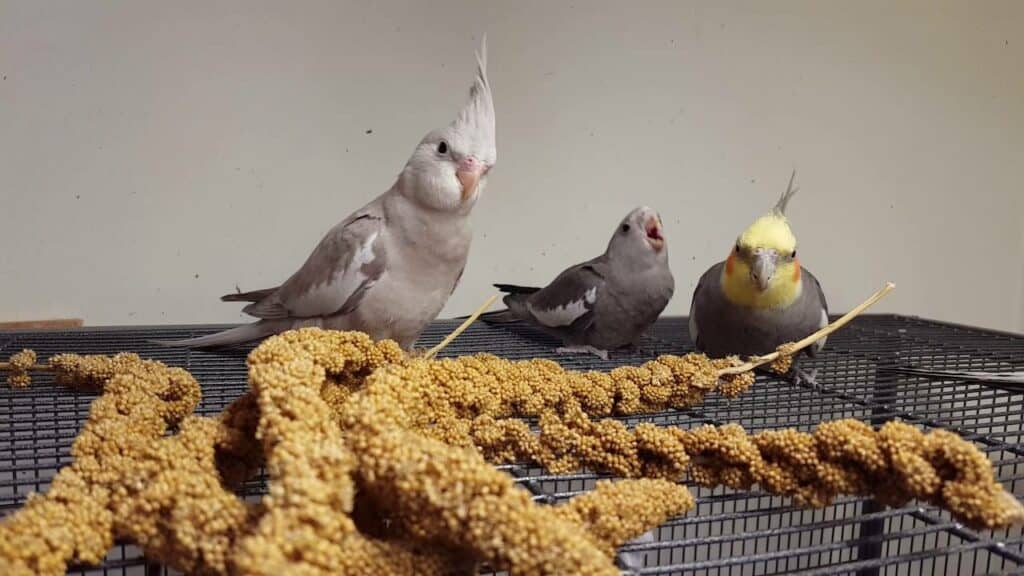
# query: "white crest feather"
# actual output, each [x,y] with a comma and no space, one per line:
[476,119]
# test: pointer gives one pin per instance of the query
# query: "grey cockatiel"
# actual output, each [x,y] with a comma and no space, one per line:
[604,303]
[759,297]
[389,268]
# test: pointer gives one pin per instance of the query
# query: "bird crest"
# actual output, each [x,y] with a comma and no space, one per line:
[475,122]
[780,206]
[772,229]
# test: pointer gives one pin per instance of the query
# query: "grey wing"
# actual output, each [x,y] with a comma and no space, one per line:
[335,277]
[819,291]
[457,280]
[816,299]
[570,298]
[700,295]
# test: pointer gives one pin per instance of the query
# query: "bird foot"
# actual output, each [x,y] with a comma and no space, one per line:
[632,562]
[633,348]
[602,354]
[802,377]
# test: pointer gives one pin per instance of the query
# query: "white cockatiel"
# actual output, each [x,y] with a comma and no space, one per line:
[389,268]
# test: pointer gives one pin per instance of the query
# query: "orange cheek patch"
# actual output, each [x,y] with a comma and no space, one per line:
[729,263]
[796,270]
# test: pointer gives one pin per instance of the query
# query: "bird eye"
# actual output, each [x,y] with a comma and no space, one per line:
[737,247]
[442,148]
[793,255]
[625,227]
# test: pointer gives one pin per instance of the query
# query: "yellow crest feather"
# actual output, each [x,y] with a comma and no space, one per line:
[769,231]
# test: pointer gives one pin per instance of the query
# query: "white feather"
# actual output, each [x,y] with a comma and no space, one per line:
[566,313]
[332,295]
[821,324]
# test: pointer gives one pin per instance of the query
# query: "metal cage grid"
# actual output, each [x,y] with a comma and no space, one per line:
[729,533]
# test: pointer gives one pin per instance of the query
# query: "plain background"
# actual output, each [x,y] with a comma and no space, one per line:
[154,156]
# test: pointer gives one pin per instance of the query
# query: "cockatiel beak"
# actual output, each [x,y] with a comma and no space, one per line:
[763,268]
[469,172]
[653,229]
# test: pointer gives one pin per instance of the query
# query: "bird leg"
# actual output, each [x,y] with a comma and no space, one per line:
[800,377]
[633,348]
[584,349]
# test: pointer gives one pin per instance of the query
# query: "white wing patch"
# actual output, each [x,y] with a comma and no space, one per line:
[821,324]
[329,296]
[566,313]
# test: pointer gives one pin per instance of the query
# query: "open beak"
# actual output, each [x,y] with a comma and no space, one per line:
[763,268]
[469,172]
[654,235]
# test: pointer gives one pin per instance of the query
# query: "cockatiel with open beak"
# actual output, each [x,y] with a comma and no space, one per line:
[604,303]
[389,268]
[760,297]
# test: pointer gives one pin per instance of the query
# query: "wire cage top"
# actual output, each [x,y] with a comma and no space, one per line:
[729,532]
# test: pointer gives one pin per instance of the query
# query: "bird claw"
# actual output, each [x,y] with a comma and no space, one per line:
[632,562]
[809,378]
[602,354]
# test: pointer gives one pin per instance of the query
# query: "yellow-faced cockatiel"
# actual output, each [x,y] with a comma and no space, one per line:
[760,296]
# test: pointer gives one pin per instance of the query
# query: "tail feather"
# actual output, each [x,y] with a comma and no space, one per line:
[514,299]
[499,317]
[513,289]
[251,296]
[229,337]
[516,310]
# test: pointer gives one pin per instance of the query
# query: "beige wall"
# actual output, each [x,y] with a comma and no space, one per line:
[155,155]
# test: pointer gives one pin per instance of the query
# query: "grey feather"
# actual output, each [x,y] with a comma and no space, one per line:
[458,279]
[505,316]
[567,294]
[230,337]
[570,297]
[604,303]
[336,274]
[251,296]
[780,206]
[514,289]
